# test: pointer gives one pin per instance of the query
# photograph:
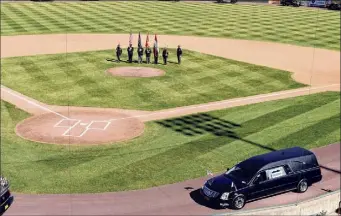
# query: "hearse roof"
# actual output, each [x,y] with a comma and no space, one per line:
[260,161]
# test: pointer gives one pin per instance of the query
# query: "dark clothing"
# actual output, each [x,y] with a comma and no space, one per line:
[156,56]
[130,51]
[118,53]
[178,51]
[140,51]
[179,54]
[148,53]
[165,56]
[140,54]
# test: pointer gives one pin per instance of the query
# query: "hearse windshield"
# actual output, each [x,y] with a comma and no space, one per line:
[240,174]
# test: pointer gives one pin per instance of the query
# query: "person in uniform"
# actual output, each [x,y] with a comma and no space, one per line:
[118,52]
[156,55]
[165,55]
[130,51]
[179,54]
[140,54]
[148,53]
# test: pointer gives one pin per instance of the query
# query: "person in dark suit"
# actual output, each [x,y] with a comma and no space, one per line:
[148,53]
[179,54]
[165,55]
[140,54]
[156,54]
[130,51]
[118,52]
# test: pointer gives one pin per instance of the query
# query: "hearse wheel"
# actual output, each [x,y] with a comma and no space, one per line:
[238,202]
[302,186]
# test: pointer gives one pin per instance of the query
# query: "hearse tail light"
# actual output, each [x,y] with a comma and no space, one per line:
[225,196]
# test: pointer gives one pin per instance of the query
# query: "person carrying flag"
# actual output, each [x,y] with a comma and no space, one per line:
[139,50]
[130,51]
[148,50]
[156,51]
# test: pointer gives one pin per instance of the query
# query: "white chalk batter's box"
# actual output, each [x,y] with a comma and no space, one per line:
[77,128]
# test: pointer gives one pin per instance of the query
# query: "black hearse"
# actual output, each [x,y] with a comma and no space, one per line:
[295,3]
[262,176]
[6,198]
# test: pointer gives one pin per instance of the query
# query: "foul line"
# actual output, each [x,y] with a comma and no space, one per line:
[180,108]
[31,102]
[225,102]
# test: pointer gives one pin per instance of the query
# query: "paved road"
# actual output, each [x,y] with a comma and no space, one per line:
[176,199]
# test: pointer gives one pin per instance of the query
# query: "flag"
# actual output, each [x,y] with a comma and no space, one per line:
[139,44]
[147,40]
[130,38]
[156,47]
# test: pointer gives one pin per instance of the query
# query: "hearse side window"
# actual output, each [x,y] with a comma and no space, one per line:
[287,169]
[260,177]
[275,173]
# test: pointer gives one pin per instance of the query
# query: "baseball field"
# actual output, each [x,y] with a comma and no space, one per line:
[253,79]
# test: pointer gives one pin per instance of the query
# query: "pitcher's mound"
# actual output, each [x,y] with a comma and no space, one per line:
[135,72]
[80,127]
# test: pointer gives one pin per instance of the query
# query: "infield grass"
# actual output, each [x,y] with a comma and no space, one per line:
[302,26]
[79,79]
[171,150]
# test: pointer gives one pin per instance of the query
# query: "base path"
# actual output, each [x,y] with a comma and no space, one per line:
[92,126]
[175,199]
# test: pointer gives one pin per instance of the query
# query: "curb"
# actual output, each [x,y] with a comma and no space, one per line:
[327,202]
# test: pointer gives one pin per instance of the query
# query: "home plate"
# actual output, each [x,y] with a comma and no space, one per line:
[83,124]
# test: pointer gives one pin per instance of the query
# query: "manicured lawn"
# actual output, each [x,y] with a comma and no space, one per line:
[171,150]
[307,27]
[79,79]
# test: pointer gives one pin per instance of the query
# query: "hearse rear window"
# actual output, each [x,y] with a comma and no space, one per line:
[275,173]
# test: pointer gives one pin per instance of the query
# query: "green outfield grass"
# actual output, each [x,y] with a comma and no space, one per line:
[79,79]
[170,150]
[307,27]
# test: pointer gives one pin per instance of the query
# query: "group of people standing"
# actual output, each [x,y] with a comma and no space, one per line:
[148,51]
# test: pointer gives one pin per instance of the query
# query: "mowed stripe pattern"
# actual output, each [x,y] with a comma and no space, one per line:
[320,28]
[79,79]
[170,150]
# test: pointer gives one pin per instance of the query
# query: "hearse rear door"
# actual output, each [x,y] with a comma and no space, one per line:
[261,187]
[284,177]
[273,181]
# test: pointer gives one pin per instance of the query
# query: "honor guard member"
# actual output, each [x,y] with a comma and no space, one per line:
[130,51]
[156,55]
[118,52]
[165,55]
[179,54]
[140,54]
[148,53]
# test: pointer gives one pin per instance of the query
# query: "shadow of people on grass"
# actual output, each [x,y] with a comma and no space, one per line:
[203,123]
[117,61]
